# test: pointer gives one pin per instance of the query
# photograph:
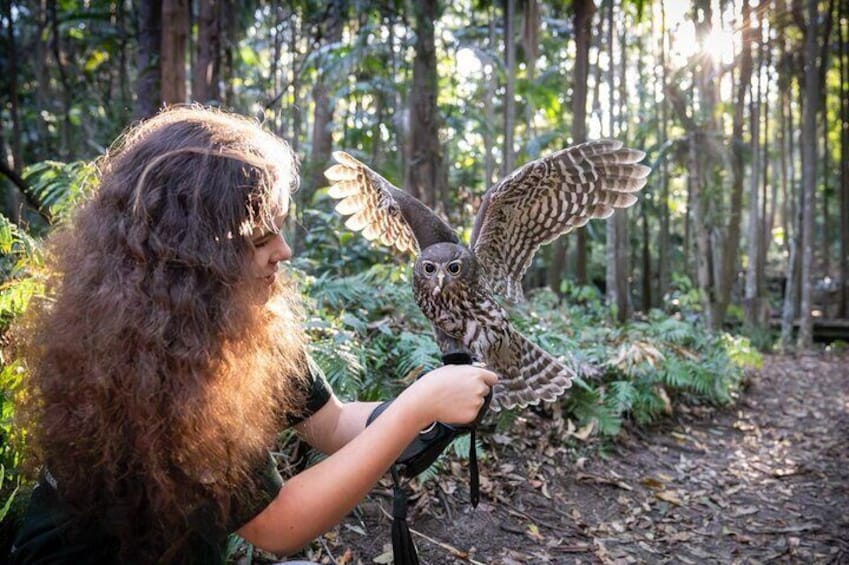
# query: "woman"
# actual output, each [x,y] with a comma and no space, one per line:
[170,354]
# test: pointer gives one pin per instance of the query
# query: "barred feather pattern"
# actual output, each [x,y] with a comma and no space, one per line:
[464,309]
[365,197]
[550,197]
[531,207]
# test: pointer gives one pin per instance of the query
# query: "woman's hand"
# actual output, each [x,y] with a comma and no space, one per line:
[453,394]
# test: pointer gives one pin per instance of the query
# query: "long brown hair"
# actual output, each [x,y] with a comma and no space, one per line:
[158,371]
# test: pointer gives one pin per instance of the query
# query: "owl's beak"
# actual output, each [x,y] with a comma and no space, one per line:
[440,276]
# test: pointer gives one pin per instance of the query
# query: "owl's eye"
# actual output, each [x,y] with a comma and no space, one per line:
[454,268]
[429,268]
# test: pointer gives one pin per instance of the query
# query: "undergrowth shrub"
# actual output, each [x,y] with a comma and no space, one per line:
[372,340]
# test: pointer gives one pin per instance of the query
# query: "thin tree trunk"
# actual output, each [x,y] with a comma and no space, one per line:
[322,132]
[751,299]
[664,264]
[207,58]
[583,15]
[732,242]
[584,10]
[843,308]
[174,34]
[490,82]
[809,170]
[509,101]
[790,307]
[65,151]
[424,156]
[148,60]
[12,201]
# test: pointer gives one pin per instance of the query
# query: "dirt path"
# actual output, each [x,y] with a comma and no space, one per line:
[764,481]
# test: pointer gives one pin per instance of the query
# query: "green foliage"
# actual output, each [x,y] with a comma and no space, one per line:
[372,340]
[367,332]
[58,186]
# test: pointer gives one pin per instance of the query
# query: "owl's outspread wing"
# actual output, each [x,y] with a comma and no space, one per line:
[380,210]
[547,198]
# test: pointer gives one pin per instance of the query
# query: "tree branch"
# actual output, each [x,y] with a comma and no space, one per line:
[24,188]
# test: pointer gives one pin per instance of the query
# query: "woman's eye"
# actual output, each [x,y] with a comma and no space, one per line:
[454,268]
[429,268]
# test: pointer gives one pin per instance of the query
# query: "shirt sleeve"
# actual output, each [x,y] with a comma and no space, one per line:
[317,392]
[267,480]
[247,504]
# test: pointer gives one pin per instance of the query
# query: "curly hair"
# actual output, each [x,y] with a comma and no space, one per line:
[158,372]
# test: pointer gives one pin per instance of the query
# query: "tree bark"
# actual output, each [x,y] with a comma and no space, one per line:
[12,199]
[732,242]
[174,34]
[664,264]
[65,150]
[322,132]
[584,10]
[148,60]
[617,267]
[207,63]
[752,298]
[843,307]
[423,150]
[509,101]
[809,170]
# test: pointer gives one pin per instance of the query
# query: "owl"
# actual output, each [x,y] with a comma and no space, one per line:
[455,285]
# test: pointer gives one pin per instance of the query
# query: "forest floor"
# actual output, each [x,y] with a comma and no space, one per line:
[765,480]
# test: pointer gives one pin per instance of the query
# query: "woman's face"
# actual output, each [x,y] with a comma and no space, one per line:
[269,246]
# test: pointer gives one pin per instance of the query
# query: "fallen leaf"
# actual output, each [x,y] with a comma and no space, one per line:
[669,496]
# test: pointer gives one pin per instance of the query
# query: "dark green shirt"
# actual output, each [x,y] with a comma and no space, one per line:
[50,534]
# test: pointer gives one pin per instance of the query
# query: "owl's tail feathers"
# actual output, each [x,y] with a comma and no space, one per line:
[542,378]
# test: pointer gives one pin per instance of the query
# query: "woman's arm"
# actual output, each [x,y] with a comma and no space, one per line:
[316,499]
[335,424]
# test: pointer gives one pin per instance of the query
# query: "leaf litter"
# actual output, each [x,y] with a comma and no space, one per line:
[762,481]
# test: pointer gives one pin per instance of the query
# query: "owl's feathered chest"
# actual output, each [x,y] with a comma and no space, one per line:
[464,312]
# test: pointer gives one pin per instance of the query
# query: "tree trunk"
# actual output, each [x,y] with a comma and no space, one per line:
[582,18]
[843,307]
[65,150]
[423,150]
[794,220]
[617,266]
[12,199]
[732,242]
[207,62]
[509,86]
[664,261]
[752,298]
[174,33]
[704,251]
[148,60]
[490,79]
[809,170]
[322,132]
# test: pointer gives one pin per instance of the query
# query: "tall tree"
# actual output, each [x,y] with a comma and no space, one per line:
[735,212]
[148,60]
[424,158]
[330,30]
[508,161]
[175,14]
[843,65]
[12,201]
[582,16]
[664,261]
[617,264]
[753,300]
[207,63]
[809,169]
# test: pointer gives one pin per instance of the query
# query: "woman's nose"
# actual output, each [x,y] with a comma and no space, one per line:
[282,251]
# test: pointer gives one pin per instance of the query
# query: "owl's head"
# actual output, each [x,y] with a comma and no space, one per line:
[443,266]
